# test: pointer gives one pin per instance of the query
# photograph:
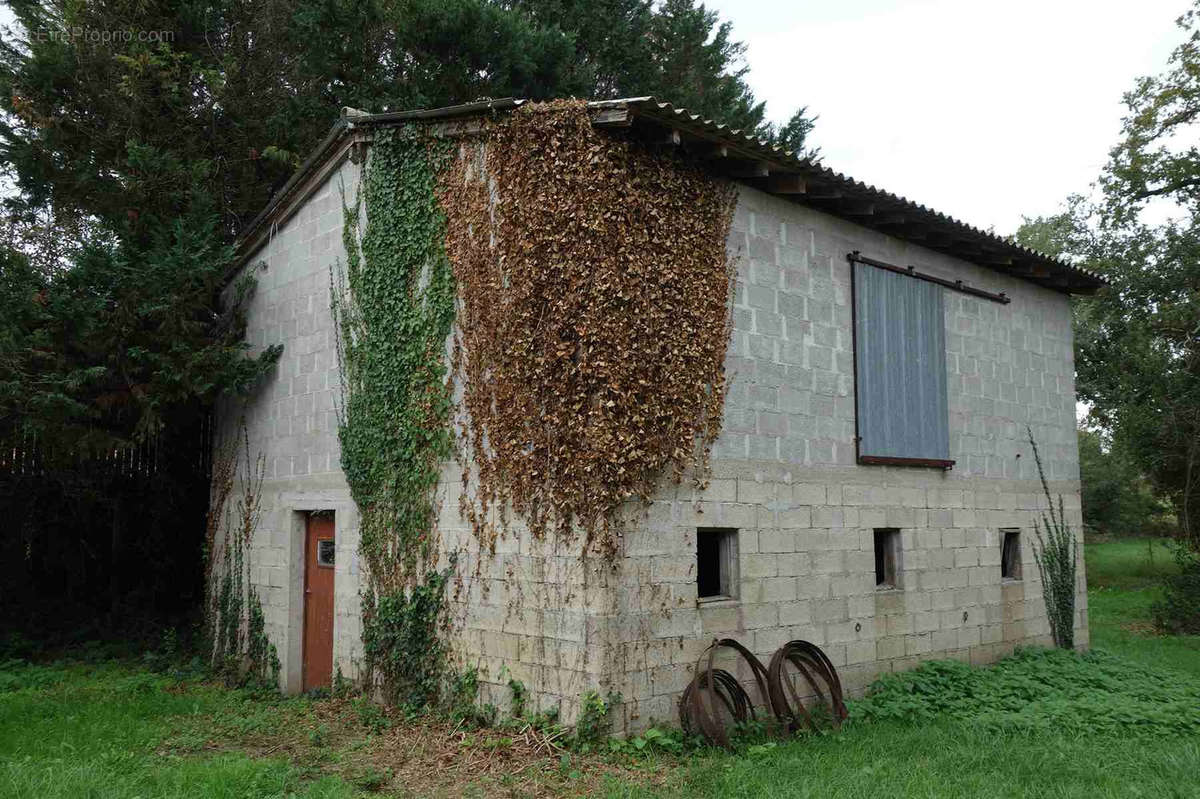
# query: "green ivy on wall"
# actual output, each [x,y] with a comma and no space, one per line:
[394,308]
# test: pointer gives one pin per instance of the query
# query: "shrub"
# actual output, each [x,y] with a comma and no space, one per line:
[595,719]
[1178,610]
[18,675]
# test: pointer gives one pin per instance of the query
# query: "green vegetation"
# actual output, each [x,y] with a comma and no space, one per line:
[403,642]
[1117,498]
[99,729]
[1127,564]
[1118,722]
[594,724]
[1057,558]
[1124,581]
[1121,623]
[235,627]
[1178,609]
[1138,355]
[1041,691]
[393,308]
[132,164]
[942,760]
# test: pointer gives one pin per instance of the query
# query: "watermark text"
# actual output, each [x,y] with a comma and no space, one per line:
[79,34]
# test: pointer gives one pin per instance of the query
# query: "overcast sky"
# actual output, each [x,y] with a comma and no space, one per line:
[985,111]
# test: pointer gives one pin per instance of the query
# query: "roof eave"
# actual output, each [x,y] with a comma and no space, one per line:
[744,158]
[757,163]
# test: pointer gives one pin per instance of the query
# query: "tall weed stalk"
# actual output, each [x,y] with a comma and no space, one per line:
[1057,557]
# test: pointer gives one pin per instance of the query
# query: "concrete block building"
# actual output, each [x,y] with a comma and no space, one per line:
[872,490]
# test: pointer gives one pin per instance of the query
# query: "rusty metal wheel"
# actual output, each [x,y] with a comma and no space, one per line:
[821,678]
[714,690]
[732,696]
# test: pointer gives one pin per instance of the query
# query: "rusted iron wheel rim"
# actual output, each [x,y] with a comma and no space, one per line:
[816,669]
[731,693]
[719,683]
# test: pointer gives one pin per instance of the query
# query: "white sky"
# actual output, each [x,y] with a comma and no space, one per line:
[984,111]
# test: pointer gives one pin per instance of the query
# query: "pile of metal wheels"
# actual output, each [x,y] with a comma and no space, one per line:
[799,690]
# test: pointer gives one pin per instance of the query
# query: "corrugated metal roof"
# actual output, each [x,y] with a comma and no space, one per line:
[756,162]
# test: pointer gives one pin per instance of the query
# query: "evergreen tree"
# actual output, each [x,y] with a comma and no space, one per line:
[139,136]
[165,115]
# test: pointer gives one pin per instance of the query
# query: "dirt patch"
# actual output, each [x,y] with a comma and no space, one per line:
[380,750]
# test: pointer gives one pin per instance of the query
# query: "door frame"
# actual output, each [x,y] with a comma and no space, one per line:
[297,506]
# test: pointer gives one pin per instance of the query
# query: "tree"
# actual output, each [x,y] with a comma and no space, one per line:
[232,94]
[793,135]
[1117,499]
[699,66]
[127,337]
[141,135]
[680,52]
[609,39]
[198,108]
[1138,341]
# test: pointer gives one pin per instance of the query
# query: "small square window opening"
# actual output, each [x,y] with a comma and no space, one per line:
[325,550]
[716,563]
[1010,555]
[887,553]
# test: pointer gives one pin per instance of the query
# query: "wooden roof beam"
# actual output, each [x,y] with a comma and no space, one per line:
[995,259]
[856,209]
[823,193]
[613,118]
[749,169]
[781,183]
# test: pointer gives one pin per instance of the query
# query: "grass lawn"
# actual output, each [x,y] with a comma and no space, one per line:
[1125,722]
[945,760]
[99,731]
[1121,588]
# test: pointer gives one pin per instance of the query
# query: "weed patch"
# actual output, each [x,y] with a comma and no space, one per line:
[17,675]
[1038,690]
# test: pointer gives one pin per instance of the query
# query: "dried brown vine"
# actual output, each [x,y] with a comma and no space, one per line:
[594,286]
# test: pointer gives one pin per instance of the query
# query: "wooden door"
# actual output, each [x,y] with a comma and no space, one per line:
[319,548]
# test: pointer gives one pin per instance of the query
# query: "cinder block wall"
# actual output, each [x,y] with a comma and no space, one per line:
[784,475]
[291,420]
[526,611]
[521,612]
